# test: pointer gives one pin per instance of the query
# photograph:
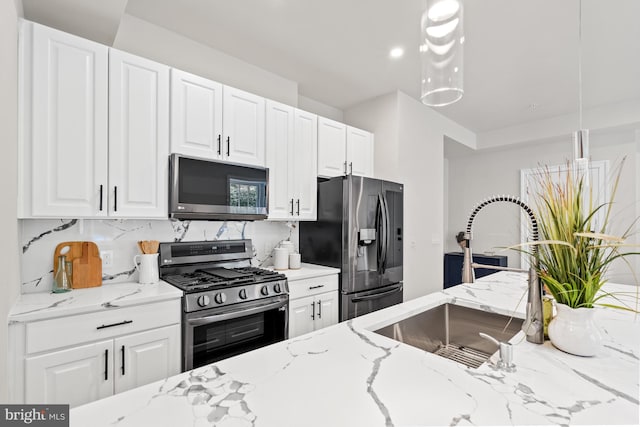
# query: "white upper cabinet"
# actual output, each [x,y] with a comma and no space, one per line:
[343,150]
[138,136]
[213,121]
[196,115]
[63,124]
[332,147]
[243,124]
[279,146]
[359,152]
[304,165]
[291,159]
[94,129]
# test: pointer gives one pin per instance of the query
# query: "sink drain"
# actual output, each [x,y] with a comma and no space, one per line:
[465,355]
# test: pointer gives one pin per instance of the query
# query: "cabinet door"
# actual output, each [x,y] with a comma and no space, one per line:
[360,152]
[326,310]
[279,143]
[146,357]
[75,376]
[332,142]
[64,91]
[244,127]
[196,115]
[304,166]
[301,316]
[138,136]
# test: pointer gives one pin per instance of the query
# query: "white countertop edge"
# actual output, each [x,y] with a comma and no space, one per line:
[47,305]
[308,271]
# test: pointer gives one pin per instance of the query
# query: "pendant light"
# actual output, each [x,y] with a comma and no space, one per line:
[581,136]
[442,39]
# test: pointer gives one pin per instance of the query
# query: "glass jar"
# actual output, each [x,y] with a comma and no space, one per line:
[61,281]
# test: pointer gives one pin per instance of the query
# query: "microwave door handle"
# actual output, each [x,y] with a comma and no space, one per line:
[235,314]
[378,295]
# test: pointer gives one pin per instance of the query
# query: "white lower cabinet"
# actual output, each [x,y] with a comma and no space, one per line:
[75,376]
[102,353]
[313,304]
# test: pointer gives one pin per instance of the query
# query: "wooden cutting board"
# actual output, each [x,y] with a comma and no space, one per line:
[87,265]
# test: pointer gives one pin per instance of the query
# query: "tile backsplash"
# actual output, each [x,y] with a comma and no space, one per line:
[39,238]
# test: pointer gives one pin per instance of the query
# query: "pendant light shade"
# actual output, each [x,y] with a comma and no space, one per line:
[442,39]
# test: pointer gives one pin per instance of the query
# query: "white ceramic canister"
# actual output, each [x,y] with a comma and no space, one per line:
[288,245]
[280,258]
[294,261]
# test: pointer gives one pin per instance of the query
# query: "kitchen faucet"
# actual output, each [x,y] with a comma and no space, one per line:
[533,324]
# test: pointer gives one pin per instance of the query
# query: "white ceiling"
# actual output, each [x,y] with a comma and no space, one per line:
[517,53]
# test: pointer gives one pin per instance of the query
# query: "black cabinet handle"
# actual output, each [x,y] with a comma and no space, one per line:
[219,144]
[291,207]
[316,287]
[115,198]
[319,310]
[100,196]
[298,203]
[345,168]
[228,145]
[351,168]
[124,322]
[106,364]
[313,311]
[122,367]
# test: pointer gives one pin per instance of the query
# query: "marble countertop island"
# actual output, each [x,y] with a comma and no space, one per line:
[347,375]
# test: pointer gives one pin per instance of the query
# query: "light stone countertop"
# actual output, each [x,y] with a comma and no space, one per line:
[47,305]
[346,375]
[308,271]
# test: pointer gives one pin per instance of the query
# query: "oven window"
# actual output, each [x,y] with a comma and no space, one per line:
[219,340]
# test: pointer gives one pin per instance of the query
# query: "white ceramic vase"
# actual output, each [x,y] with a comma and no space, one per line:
[573,330]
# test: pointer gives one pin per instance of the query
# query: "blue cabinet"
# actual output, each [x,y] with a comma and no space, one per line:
[453,266]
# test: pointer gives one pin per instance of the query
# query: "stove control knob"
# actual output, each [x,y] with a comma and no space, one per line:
[220,298]
[276,288]
[243,294]
[203,300]
[264,291]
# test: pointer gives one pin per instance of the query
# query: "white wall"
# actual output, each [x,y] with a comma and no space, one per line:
[151,41]
[317,107]
[9,285]
[409,149]
[474,177]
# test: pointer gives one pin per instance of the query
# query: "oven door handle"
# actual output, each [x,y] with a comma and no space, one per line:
[377,295]
[235,314]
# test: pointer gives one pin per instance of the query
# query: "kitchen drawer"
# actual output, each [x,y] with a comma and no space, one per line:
[66,331]
[317,285]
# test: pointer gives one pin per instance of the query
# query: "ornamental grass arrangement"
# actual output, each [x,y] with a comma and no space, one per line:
[575,250]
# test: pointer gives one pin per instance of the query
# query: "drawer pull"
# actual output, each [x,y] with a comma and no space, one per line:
[124,322]
[313,311]
[316,287]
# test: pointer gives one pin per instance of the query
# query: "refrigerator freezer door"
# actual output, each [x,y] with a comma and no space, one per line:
[353,305]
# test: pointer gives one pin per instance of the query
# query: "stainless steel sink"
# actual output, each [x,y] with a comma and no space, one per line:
[451,331]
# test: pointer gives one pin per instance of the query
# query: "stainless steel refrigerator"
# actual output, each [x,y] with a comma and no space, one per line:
[359,230]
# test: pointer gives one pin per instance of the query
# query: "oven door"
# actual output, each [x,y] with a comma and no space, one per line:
[213,335]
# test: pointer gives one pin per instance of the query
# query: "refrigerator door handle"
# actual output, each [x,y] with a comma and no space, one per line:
[387,236]
[381,232]
[378,295]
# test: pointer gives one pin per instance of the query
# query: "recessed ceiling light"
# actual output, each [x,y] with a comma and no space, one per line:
[396,52]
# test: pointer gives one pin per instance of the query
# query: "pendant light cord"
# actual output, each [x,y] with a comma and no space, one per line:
[579,65]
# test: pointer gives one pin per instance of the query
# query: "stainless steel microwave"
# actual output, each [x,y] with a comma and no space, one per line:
[213,190]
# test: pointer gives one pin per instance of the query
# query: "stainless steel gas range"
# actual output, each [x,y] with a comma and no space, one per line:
[229,307]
